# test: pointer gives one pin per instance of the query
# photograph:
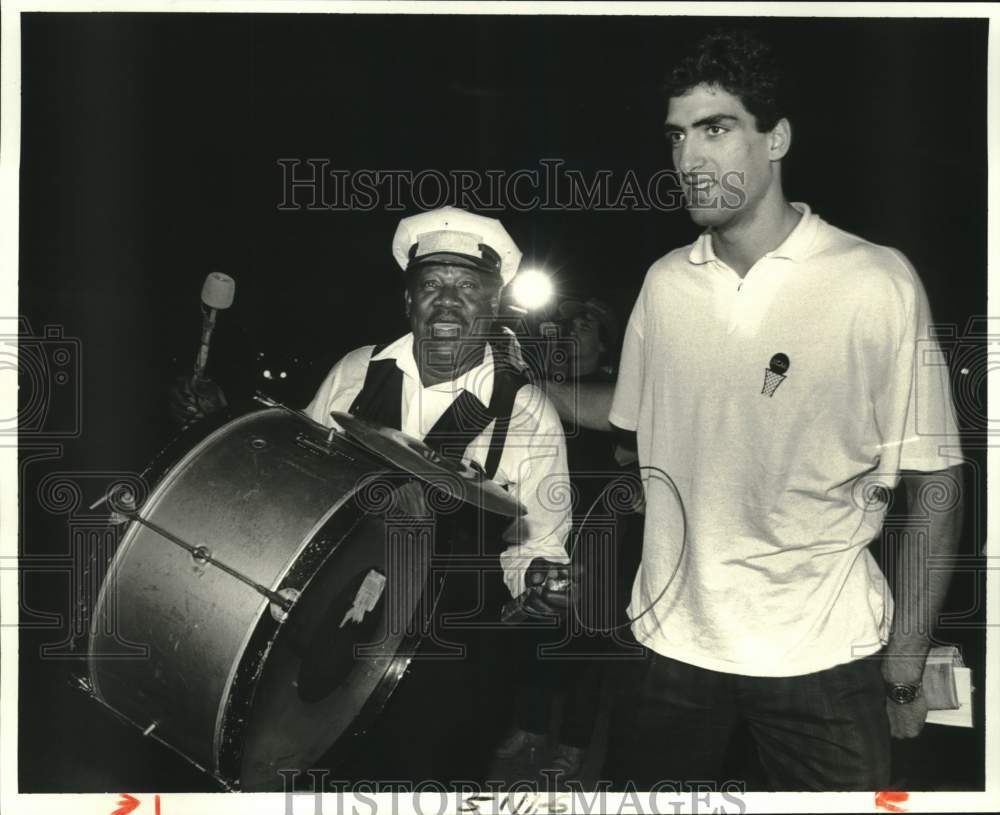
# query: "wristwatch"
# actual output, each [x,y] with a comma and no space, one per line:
[902,693]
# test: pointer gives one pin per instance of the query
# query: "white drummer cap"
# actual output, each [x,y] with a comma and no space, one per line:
[457,238]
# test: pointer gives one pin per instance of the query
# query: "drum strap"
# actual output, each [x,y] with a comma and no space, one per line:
[506,383]
[463,421]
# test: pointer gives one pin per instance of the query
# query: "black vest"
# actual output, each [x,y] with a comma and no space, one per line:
[463,421]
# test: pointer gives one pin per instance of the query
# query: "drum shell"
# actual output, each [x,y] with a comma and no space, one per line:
[257,494]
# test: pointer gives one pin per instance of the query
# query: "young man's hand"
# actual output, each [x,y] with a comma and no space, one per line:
[906,721]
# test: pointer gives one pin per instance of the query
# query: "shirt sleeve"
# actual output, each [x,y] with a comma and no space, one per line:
[341,386]
[535,458]
[628,390]
[910,381]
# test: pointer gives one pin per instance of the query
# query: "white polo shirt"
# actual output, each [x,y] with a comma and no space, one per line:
[533,463]
[774,577]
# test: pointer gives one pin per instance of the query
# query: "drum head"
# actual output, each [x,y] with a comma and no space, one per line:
[333,664]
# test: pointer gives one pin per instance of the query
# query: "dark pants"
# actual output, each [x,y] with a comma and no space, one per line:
[543,677]
[822,731]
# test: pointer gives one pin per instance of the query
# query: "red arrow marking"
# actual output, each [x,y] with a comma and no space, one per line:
[157,805]
[888,801]
[126,804]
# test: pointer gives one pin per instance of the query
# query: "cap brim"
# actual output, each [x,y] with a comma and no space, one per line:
[454,259]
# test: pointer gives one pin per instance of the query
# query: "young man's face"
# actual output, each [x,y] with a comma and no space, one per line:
[725,165]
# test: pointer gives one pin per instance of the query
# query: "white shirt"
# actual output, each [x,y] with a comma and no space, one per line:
[774,577]
[533,463]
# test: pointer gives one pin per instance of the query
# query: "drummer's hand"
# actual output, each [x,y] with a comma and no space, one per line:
[193,398]
[409,500]
[549,585]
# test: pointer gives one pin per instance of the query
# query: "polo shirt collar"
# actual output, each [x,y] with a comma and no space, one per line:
[795,247]
[478,381]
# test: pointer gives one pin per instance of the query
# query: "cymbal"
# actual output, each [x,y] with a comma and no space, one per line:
[417,458]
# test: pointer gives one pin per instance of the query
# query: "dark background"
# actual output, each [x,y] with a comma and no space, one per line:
[149,158]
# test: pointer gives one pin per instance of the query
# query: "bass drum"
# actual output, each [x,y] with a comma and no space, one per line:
[270,502]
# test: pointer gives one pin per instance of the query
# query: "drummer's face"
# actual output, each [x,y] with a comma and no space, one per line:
[450,303]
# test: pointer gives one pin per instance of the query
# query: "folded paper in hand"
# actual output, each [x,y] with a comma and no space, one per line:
[947,688]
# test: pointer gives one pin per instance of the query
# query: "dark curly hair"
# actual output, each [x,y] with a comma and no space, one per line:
[742,64]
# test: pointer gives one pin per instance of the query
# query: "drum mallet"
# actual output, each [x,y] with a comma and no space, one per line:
[217,293]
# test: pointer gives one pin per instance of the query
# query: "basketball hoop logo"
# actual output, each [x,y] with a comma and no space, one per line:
[774,374]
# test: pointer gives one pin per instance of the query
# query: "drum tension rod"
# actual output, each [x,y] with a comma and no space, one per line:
[202,555]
